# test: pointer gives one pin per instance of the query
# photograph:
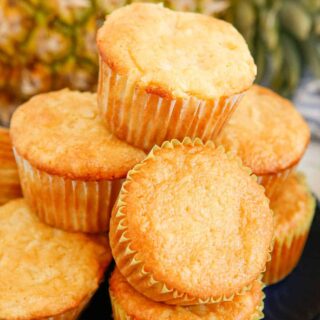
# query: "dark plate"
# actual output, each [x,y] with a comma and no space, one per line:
[295,298]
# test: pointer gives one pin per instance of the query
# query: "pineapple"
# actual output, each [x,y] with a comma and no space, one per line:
[283,36]
[47,45]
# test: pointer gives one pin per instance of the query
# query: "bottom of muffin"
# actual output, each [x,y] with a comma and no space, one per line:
[128,304]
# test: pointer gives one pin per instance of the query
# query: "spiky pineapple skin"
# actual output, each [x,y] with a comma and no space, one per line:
[45,45]
[284,37]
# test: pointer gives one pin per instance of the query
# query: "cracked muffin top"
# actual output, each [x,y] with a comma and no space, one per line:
[176,54]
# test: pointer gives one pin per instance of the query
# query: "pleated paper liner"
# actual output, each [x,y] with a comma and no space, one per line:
[9,177]
[71,205]
[271,182]
[144,119]
[133,268]
[288,248]
[119,312]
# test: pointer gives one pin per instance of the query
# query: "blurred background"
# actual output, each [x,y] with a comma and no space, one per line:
[50,44]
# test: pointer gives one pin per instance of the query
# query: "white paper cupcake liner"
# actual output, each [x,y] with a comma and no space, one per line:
[144,119]
[71,205]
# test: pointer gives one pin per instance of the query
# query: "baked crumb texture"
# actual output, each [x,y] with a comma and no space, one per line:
[9,177]
[294,207]
[128,304]
[71,166]
[161,70]
[46,273]
[191,225]
[268,134]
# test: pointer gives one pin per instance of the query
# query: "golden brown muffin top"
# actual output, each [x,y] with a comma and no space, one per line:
[176,54]
[293,205]
[196,218]
[266,132]
[138,307]
[45,271]
[61,133]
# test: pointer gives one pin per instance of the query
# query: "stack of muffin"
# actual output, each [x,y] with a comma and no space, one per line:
[70,169]
[191,227]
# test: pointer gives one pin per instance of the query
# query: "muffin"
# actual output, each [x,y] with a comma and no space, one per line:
[9,178]
[70,165]
[293,206]
[128,304]
[191,226]
[268,134]
[46,273]
[162,74]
